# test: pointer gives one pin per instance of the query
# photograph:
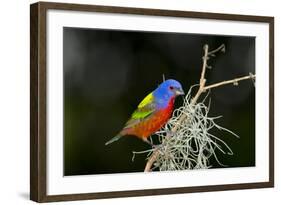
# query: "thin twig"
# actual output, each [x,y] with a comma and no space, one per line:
[202,78]
[233,81]
[202,88]
[220,48]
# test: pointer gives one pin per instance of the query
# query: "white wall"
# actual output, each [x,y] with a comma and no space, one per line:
[14,101]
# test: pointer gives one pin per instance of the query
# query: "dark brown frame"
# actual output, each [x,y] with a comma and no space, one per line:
[38,101]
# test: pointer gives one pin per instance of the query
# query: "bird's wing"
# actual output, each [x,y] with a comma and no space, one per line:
[145,109]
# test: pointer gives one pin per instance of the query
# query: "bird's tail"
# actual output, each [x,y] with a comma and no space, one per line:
[117,137]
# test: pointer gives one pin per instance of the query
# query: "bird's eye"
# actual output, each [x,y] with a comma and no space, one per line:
[171,88]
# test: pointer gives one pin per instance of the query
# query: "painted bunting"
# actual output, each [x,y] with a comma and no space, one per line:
[152,113]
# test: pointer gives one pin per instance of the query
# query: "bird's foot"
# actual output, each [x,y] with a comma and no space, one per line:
[148,142]
[158,146]
[170,133]
[151,144]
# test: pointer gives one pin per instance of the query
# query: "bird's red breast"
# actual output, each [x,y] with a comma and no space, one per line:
[153,123]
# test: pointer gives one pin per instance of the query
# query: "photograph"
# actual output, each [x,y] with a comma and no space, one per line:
[143,101]
[130,102]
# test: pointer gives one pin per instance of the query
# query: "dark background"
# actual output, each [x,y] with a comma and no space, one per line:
[108,72]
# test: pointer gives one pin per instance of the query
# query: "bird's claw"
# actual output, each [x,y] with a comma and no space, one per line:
[150,143]
[170,133]
[155,146]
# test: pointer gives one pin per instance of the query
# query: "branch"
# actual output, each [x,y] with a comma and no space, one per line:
[202,88]
[233,81]
[220,48]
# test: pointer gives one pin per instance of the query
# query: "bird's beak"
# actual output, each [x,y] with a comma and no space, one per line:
[179,91]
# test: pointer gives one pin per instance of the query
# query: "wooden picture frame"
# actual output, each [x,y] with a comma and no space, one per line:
[39,95]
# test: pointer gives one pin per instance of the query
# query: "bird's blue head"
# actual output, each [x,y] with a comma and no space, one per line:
[168,89]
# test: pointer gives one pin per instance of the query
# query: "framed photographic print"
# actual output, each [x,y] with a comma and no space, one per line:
[134,102]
